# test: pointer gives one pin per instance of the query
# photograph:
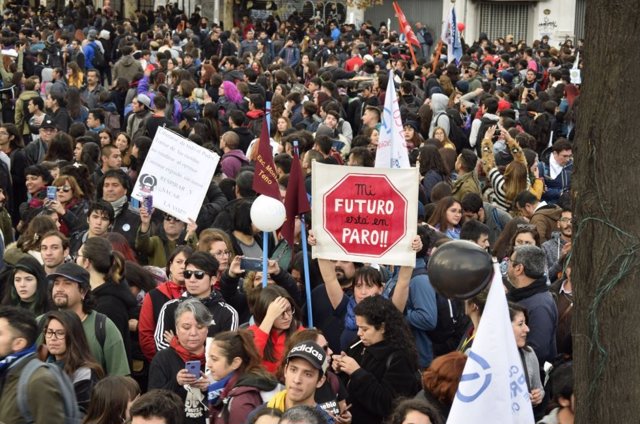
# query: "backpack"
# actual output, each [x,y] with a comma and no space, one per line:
[98,57]
[71,411]
[112,120]
[452,323]
[101,328]
[456,133]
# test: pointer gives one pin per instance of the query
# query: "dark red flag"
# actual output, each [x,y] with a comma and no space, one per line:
[296,201]
[404,25]
[265,179]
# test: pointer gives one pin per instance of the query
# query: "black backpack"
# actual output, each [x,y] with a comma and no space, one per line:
[451,326]
[456,134]
[98,57]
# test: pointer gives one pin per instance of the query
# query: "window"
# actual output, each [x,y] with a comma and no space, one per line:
[501,19]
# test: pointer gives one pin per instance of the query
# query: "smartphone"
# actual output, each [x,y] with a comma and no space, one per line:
[193,367]
[251,264]
[52,192]
[147,202]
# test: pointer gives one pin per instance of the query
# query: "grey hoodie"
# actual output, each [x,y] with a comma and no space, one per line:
[439,104]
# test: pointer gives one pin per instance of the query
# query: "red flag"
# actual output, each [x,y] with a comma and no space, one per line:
[296,201]
[265,179]
[404,26]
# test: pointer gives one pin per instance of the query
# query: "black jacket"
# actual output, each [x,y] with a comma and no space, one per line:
[118,304]
[385,375]
[127,223]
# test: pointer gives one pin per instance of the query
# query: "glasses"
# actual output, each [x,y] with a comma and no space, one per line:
[54,334]
[4,133]
[170,218]
[198,274]
[287,312]
[529,227]
[65,189]
[221,253]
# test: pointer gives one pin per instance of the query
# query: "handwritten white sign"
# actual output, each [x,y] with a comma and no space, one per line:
[177,173]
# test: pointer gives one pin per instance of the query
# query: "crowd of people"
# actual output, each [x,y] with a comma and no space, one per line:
[112,312]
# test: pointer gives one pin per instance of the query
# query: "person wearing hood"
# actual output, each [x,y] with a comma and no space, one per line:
[200,272]
[29,287]
[439,104]
[240,377]
[141,108]
[108,287]
[127,67]
[156,248]
[233,158]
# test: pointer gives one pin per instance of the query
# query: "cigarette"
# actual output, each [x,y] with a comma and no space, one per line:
[355,344]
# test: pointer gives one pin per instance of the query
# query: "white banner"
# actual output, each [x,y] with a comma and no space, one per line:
[177,173]
[493,386]
[392,147]
[364,214]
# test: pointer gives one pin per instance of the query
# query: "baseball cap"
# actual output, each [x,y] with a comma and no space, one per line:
[145,100]
[312,353]
[47,123]
[72,272]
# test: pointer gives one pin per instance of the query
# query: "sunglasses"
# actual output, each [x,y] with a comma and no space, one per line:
[170,218]
[198,274]
[65,189]
[529,227]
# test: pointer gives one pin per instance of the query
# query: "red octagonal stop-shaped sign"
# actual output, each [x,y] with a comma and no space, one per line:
[365,214]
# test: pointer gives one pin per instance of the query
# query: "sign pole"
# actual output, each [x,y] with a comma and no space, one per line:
[305,256]
[265,234]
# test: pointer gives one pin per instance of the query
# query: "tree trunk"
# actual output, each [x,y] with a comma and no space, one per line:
[227,14]
[604,271]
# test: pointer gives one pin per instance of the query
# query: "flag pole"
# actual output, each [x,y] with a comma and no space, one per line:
[305,256]
[265,234]
[413,55]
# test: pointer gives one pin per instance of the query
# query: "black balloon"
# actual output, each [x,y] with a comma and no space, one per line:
[460,269]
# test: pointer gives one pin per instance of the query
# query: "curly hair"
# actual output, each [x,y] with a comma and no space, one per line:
[380,312]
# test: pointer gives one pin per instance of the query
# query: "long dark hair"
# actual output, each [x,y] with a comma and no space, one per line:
[380,312]
[109,400]
[266,297]
[41,301]
[430,158]
[78,353]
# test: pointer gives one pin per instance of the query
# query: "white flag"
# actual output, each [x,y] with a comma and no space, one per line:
[493,388]
[392,148]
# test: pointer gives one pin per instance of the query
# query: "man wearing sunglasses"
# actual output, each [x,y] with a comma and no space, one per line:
[199,277]
[156,247]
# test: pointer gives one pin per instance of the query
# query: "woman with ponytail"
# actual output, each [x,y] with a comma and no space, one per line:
[111,293]
[240,377]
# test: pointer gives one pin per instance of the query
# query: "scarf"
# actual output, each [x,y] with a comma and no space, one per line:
[173,289]
[118,205]
[277,402]
[538,286]
[184,354]
[13,357]
[350,316]
[216,388]
[555,168]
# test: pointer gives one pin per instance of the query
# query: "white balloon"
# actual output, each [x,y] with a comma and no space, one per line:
[267,213]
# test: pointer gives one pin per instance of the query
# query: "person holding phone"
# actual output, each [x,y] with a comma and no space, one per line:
[168,369]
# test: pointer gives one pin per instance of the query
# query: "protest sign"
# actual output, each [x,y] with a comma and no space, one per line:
[364,214]
[177,173]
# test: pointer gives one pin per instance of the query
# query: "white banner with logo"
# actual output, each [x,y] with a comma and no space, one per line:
[176,173]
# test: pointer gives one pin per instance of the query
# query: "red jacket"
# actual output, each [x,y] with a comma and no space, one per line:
[151,306]
[278,339]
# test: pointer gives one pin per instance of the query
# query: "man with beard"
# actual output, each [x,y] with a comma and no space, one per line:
[325,318]
[70,290]
[558,247]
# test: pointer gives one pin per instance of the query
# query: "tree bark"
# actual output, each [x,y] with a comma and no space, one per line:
[605,263]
